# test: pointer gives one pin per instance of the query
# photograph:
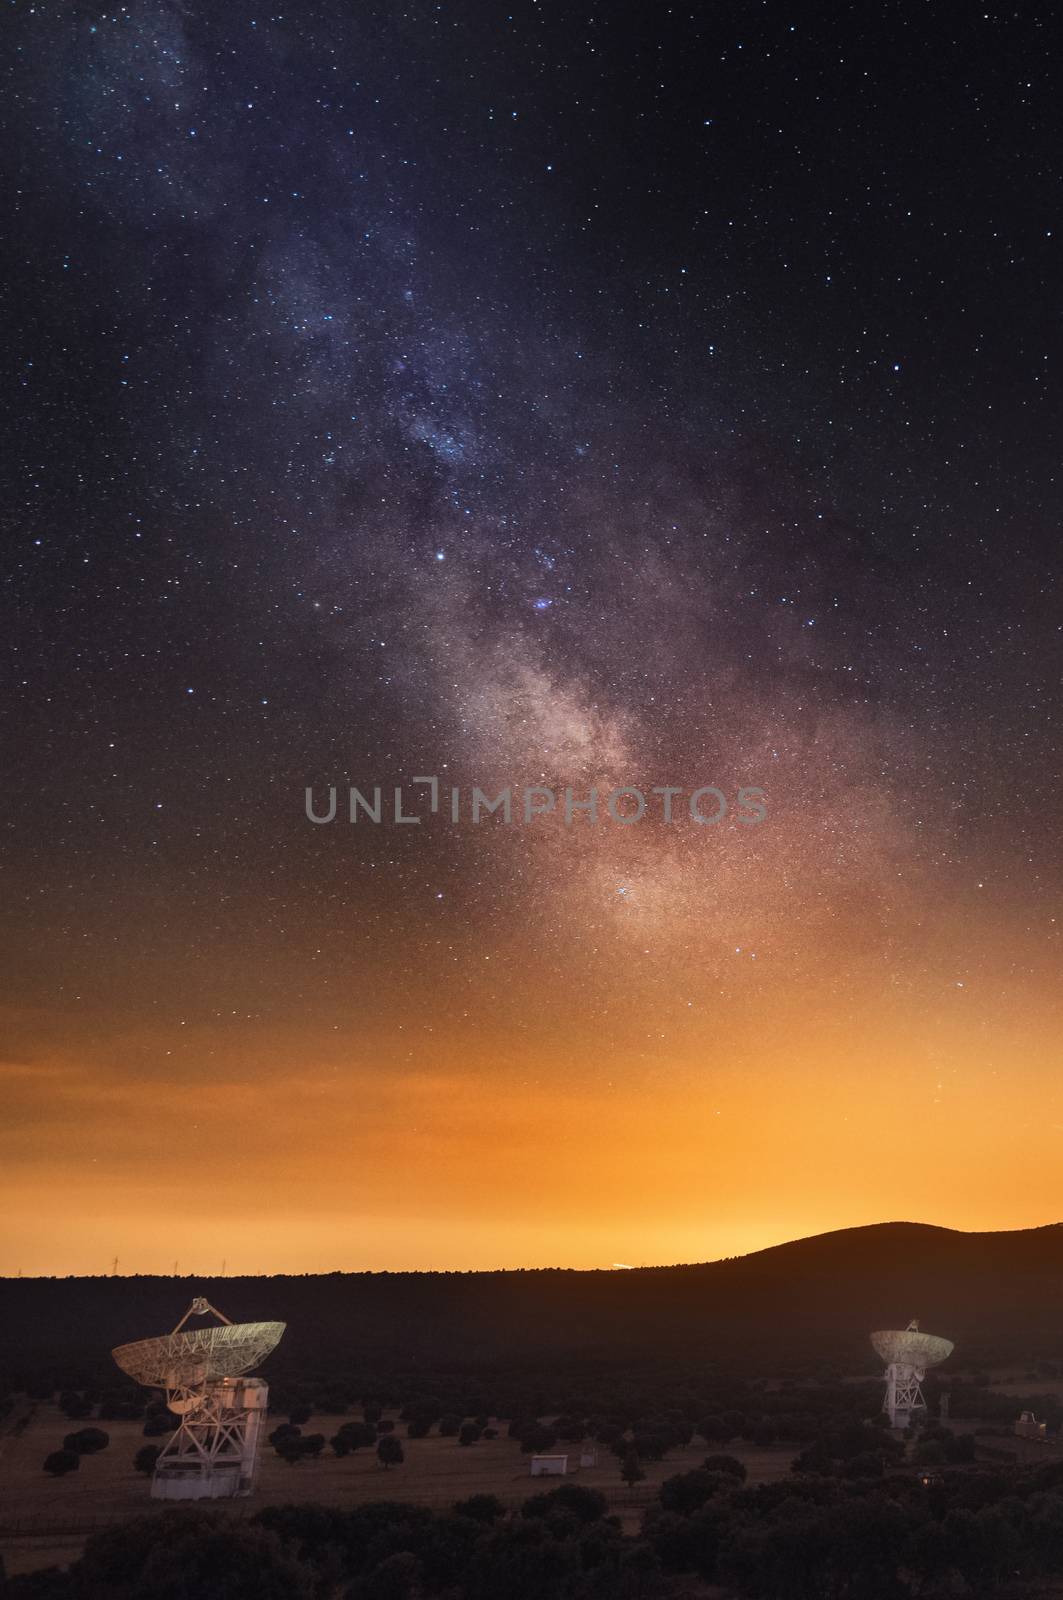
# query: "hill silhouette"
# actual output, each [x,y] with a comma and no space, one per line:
[999,1296]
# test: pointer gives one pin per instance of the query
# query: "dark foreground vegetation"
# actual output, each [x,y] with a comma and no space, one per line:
[853,1529]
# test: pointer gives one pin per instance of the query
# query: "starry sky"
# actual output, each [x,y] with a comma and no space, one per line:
[661,395]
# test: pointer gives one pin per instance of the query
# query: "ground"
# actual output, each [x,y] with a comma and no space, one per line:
[45,1520]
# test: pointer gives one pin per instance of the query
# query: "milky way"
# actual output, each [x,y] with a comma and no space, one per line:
[528,397]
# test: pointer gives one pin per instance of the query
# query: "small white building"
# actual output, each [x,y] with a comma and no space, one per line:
[1028,1427]
[549,1466]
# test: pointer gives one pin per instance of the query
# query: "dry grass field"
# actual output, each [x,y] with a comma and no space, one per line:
[1008,1381]
[45,1520]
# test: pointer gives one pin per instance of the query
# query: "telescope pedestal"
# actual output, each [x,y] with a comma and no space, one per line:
[212,1455]
[904,1394]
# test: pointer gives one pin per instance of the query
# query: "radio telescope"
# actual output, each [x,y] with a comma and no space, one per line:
[909,1355]
[212,1453]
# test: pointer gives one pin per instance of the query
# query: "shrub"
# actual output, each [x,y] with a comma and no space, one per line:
[355,1436]
[480,1507]
[585,1505]
[146,1457]
[300,1447]
[86,1441]
[158,1419]
[688,1491]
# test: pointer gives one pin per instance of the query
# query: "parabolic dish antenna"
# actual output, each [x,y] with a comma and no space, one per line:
[193,1356]
[908,1347]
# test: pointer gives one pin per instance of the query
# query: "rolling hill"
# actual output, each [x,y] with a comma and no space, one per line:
[814,1300]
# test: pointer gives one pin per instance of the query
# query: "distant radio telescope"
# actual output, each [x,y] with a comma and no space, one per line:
[212,1453]
[909,1355]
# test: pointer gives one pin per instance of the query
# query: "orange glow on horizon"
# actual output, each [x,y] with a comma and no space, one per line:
[453,1148]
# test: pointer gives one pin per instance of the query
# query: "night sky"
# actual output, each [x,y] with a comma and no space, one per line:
[527,395]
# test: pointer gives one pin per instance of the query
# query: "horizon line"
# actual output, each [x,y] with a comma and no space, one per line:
[612,1267]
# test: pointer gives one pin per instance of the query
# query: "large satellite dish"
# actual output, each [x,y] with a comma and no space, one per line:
[910,1347]
[180,1360]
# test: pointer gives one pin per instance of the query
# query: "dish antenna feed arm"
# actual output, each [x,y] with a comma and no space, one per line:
[201,1307]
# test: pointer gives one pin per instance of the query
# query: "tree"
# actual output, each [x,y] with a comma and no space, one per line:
[571,1429]
[631,1469]
[145,1459]
[390,1452]
[984,1546]
[86,1441]
[449,1426]
[290,1448]
[122,1405]
[353,1436]
[640,1568]
[728,1464]
[158,1419]
[817,1458]
[395,1578]
[293,1448]
[866,1465]
[469,1433]
[62,1461]
[582,1503]
[688,1491]
[654,1443]
[535,1438]
[196,1554]
[481,1507]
